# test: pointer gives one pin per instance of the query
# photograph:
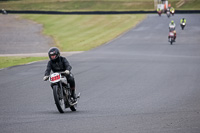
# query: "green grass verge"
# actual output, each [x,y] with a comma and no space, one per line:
[91,5]
[77,32]
[188,5]
[13,61]
[84,32]
[191,5]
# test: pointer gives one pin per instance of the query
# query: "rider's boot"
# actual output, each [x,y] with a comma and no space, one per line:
[73,94]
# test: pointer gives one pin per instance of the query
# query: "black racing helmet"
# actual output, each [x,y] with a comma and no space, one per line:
[53,51]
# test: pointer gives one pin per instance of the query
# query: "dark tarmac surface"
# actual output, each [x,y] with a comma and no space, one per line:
[137,83]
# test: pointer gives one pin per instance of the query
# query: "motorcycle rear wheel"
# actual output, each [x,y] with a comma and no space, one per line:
[59,101]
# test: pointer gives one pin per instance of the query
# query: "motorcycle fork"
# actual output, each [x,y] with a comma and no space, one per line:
[61,89]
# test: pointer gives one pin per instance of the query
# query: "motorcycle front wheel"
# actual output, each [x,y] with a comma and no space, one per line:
[170,40]
[59,101]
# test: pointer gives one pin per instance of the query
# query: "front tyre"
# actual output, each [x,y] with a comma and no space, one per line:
[59,101]
[170,40]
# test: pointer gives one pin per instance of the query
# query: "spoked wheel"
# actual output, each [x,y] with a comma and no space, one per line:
[59,101]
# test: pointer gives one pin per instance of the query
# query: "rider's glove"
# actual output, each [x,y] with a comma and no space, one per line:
[45,78]
[67,72]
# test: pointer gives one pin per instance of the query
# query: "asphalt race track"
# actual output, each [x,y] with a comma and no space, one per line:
[137,83]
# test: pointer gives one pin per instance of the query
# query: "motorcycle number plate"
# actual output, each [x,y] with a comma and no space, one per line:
[55,77]
[171,34]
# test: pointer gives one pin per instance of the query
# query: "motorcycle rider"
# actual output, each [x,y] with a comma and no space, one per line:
[58,63]
[172,27]
[172,24]
[183,20]
[159,11]
[172,10]
[168,10]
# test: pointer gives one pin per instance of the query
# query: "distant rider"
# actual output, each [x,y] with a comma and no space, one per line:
[58,63]
[172,27]
[172,10]
[183,20]
[168,10]
[159,11]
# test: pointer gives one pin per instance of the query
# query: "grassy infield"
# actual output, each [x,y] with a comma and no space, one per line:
[89,5]
[79,32]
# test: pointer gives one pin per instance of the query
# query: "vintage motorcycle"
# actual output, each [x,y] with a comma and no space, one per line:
[62,92]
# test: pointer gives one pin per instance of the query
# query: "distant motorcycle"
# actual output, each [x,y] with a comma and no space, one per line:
[159,13]
[172,12]
[62,92]
[172,34]
[168,14]
[183,25]
[171,37]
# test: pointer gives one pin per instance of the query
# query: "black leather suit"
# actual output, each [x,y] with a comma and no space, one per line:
[60,65]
